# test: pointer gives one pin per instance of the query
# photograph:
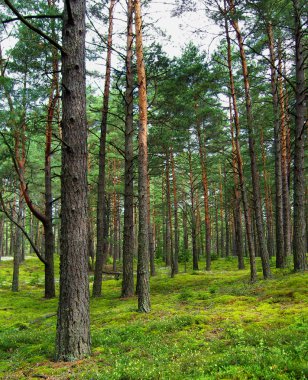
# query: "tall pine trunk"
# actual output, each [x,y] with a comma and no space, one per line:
[253,158]
[73,326]
[100,253]
[143,280]
[299,243]
[253,270]
[128,240]
[280,257]
[175,212]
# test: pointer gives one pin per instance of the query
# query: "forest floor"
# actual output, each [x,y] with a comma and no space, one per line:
[203,325]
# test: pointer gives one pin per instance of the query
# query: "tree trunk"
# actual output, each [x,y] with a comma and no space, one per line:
[169,214]
[202,152]
[73,325]
[253,159]
[151,237]
[143,237]
[175,211]
[284,165]
[221,208]
[128,240]
[100,253]
[268,200]
[253,270]
[280,257]
[193,216]
[17,247]
[299,245]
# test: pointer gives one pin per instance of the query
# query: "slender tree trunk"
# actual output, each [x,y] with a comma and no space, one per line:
[185,230]
[280,257]
[268,200]
[253,159]
[17,247]
[299,246]
[193,216]
[143,237]
[73,326]
[221,208]
[253,270]
[100,254]
[236,158]
[169,214]
[50,290]
[128,241]
[1,235]
[176,221]
[202,152]
[284,164]
[151,237]
[115,230]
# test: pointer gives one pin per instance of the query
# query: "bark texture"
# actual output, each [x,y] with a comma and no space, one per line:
[253,158]
[280,257]
[100,253]
[299,241]
[128,241]
[143,236]
[73,325]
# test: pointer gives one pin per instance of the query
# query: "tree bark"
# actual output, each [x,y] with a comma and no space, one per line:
[284,164]
[193,216]
[143,236]
[202,152]
[100,253]
[299,245]
[280,257]
[129,239]
[169,214]
[175,212]
[253,159]
[73,325]
[253,270]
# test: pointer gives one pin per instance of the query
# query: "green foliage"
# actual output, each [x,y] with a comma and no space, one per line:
[214,325]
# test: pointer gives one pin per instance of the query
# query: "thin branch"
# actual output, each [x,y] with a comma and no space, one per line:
[32,17]
[35,249]
[34,28]
[122,153]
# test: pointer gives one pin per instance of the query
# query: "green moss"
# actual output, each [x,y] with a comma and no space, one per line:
[203,325]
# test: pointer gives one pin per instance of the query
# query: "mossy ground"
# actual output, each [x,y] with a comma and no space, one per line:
[203,325]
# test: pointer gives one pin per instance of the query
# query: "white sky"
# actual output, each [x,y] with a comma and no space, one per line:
[188,27]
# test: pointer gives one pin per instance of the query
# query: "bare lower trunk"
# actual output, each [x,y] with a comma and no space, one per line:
[253,270]
[73,325]
[175,212]
[193,216]
[143,236]
[299,246]
[128,241]
[253,159]
[280,257]
[284,166]
[100,253]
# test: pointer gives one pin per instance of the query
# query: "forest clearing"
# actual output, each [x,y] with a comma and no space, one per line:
[153,189]
[203,325]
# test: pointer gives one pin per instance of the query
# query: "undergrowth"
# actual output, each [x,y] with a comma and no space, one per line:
[203,325]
